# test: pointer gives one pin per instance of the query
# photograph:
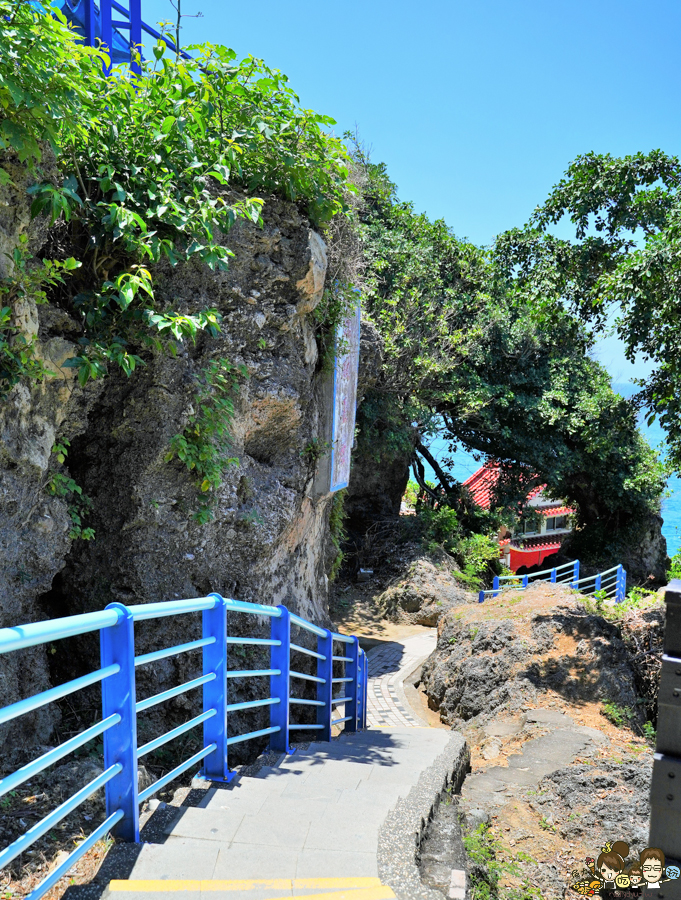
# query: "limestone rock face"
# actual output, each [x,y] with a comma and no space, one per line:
[426,594]
[268,539]
[506,654]
[646,558]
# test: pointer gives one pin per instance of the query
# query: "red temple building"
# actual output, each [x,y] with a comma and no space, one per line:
[526,544]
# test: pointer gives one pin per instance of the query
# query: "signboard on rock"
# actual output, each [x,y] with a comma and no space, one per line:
[345,368]
[340,391]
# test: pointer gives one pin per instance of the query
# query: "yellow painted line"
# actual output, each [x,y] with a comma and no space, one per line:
[376,893]
[299,884]
[352,885]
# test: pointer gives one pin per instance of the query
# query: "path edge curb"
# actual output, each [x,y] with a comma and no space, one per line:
[401,835]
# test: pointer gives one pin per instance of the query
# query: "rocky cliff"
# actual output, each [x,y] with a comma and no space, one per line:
[268,540]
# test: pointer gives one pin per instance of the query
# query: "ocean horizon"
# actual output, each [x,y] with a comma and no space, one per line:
[464,464]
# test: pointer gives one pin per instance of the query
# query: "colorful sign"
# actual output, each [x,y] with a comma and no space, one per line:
[345,369]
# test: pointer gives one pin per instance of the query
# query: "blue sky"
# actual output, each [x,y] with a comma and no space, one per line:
[477,108]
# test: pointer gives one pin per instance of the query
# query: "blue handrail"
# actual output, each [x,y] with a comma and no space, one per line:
[120,707]
[613,581]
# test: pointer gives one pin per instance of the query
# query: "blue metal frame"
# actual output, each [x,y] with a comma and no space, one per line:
[132,23]
[613,581]
[120,706]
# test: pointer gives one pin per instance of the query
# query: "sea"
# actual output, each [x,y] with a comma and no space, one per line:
[464,464]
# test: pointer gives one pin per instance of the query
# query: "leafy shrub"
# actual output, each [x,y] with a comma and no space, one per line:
[204,444]
[337,531]
[146,165]
[675,566]
[476,554]
[79,504]
[620,716]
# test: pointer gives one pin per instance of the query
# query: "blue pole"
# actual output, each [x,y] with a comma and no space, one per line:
[621,584]
[553,576]
[117,645]
[495,585]
[280,684]
[366,690]
[575,575]
[136,36]
[597,582]
[352,669]
[526,580]
[107,30]
[481,597]
[215,692]
[325,691]
[90,23]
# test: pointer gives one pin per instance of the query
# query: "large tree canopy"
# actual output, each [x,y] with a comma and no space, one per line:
[507,372]
[626,255]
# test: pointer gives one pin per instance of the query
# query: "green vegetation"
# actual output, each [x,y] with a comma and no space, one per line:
[204,444]
[79,504]
[612,202]
[476,554]
[637,598]
[501,369]
[675,567]
[490,864]
[489,345]
[337,531]
[145,164]
[620,716]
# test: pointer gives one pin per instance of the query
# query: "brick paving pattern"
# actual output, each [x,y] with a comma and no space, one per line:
[386,667]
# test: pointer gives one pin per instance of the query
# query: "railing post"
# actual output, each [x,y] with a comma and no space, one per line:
[526,580]
[107,31]
[553,576]
[280,658]
[495,586]
[597,583]
[621,589]
[352,669]
[575,575]
[89,21]
[481,597]
[117,645]
[136,36]
[366,691]
[214,623]
[325,691]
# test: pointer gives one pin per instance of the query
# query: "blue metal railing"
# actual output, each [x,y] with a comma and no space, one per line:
[612,581]
[99,28]
[120,706]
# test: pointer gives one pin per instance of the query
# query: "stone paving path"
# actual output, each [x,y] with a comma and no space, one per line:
[309,826]
[538,757]
[388,667]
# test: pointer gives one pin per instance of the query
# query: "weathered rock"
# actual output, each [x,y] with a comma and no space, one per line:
[484,665]
[423,595]
[269,538]
[34,524]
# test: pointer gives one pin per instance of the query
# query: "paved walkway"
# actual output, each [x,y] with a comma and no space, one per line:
[388,667]
[309,826]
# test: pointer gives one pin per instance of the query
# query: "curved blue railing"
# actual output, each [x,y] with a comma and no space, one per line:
[120,706]
[613,581]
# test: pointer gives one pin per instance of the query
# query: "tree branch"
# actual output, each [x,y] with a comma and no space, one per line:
[441,476]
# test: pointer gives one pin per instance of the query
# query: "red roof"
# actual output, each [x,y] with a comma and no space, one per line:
[556,511]
[482,482]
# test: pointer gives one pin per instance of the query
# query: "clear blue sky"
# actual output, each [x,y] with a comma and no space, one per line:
[477,108]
